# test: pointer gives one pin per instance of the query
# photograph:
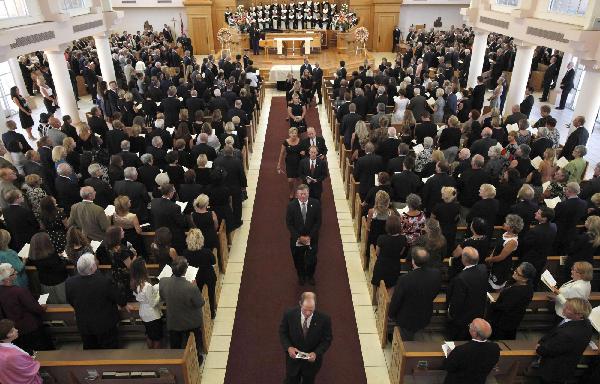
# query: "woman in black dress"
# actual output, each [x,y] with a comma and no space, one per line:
[24,111]
[447,213]
[391,247]
[296,113]
[220,197]
[501,260]
[121,255]
[51,268]
[160,250]
[505,314]
[291,148]
[54,223]
[376,220]
[202,258]
[206,220]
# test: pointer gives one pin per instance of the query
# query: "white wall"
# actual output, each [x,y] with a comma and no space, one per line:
[427,14]
[135,17]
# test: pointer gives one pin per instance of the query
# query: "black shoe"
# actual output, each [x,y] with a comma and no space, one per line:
[311,280]
[559,108]
[320,102]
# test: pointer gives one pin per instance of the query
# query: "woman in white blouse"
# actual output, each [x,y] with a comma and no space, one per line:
[149,299]
[579,286]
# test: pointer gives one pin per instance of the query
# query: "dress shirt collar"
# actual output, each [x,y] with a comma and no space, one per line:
[87,201]
[302,317]
[468,266]
[479,341]
[300,202]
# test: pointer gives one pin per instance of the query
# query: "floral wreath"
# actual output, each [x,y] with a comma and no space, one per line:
[224,35]
[361,34]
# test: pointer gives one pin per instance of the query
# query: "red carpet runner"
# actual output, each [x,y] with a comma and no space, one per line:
[269,284]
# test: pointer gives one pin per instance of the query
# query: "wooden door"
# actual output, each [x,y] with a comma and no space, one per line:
[200,35]
[384,29]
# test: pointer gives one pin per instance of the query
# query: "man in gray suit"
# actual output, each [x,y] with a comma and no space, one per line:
[417,104]
[89,217]
[184,307]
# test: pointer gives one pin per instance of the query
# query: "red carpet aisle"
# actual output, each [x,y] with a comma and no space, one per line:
[269,283]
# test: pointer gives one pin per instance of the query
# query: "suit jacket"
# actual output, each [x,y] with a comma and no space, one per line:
[478,97]
[365,169]
[412,301]
[577,137]
[138,195]
[432,189]
[236,176]
[194,104]
[482,146]
[31,167]
[105,195]
[567,214]
[527,105]
[130,159]
[550,73]
[319,173]
[589,187]
[405,183]
[98,125]
[147,174]
[94,299]
[388,149]
[347,127]
[471,363]
[21,223]
[166,213]
[514,118]
[561,349]
[297,226]
[67,193]
[425,129]
[539,146]
[418,105]
[567,80]
[317,340]
[468,186]
[10,136]
[320,143]
[171,106]
[91,219]
[205,149]
[467,294]
[113,138]
[184,303]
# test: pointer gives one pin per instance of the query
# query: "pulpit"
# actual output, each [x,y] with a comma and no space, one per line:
[345,41]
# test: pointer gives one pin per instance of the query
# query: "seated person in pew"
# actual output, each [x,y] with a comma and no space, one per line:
[478,240]
[505,314]
[391,247]
[16,366]
[467,295]
[584,246]
[473,361]
[411,305]
[147,295]
[579,286]
[536,245]
[561,349]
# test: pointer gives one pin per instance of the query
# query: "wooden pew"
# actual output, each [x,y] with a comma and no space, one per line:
[415,359]
[369,275]
[344,156]
[352,192]
[357,216]
[362,247]
[73,366]
[223,251]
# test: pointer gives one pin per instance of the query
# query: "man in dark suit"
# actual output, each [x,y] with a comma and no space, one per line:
[94,298]
[67,189]
[395,165]
[432,194]
[218,102]
[361,103]
[136,191]
[466,296]
[418,105]
[304,330]
[592,186]
[12,135]
[549,76]
[193,104]
[406,182]
[527,104]
[237,111]
[130,159]
[203,148]
[516,115]
[561,349]
[578,137]
[305,65]
[303,219]
[114,138]
[568,214]
[388,148]
[33,165]
[97,123]
[473,361]
[425,129]
[158,152]
[482,146]
[348,124]
[20,221]
[412,302]
[171,106]
[313,140]
[539,145]
[105,195]
[365,169]
[148,171]
[235,181]
[317,76]
[478,94]
[537,244]
[313,171]
[165,213]
[566,84]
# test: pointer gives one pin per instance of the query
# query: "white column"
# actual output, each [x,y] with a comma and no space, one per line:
[62,83]
[588,101]
[519,76]
[556,92]
[477,56]
[15,69]
[105,58]
[3,120]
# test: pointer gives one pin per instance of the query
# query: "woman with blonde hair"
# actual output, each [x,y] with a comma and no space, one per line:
[377,217]
[202,171]
[206,220]
[447,213]
[59,155]
[129,222]
[137,143]
[296,112]
[360,137]
[579,286]
[290,149]
[72,156]
[547,166]
[202,258]
[229,129]
[86,140]
[500,261]
[434,242]
[9,256]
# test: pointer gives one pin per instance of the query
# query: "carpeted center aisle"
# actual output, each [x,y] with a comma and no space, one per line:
[269,283]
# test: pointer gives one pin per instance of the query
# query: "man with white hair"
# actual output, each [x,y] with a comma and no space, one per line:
[218,102]
[481,146]
[88,216]
[566,84]
[105,195]
[130,159]
[388,149]
[67,190]
[239,112]
[305,336]
[136,191]
[158,153]
[96,301]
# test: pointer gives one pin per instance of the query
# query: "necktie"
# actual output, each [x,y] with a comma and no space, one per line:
[305,327]
[303,209]
[312,141]
[312,166]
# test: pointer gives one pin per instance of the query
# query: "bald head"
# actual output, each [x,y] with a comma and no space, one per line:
[470,256]
[54,122]
[480,329]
